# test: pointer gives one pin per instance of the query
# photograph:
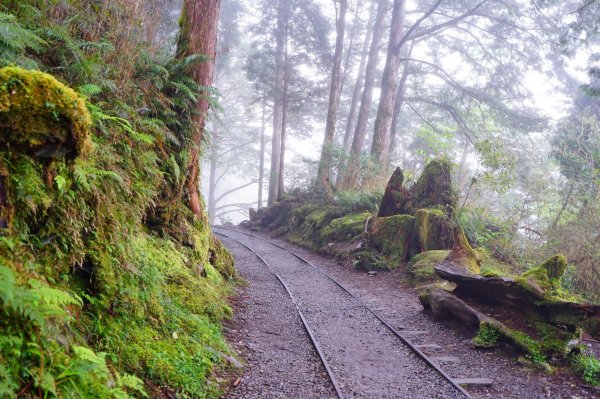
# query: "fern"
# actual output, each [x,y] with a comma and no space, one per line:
[36,302]
[15,41]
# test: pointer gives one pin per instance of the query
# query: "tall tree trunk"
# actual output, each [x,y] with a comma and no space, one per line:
[261,169]
[334,97]
[286,86]
[400,95]
[199,23]
[212,185]
[278,102]
[380,148]
[351,177]
[359,82]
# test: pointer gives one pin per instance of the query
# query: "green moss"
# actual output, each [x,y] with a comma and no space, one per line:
[393,236]
[433,229]
[490,333]
[543,281]
[487,336]
[434,187]
[37,110]
[346,227]
[492,267]
[421,266]
[462,253]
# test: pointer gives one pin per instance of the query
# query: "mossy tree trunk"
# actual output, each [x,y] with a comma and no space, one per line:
[198,35]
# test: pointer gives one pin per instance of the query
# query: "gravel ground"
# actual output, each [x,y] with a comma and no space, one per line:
[369,362]
[388,294]
[267,332]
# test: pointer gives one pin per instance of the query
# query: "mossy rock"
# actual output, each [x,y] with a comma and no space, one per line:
[393,236]
[41,115]
[421,266]
[308,222]
[434,187]
[543,281]
[346,227]
[433,229]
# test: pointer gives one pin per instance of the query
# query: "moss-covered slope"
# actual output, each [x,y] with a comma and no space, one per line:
[109,286]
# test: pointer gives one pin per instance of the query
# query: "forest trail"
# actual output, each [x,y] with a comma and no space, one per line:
[365,358]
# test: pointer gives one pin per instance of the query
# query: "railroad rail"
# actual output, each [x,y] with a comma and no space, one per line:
[395,332]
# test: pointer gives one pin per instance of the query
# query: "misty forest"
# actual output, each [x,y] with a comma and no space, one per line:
[300,199]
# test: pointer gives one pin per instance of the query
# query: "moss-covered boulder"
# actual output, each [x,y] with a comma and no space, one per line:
[346,227]
[433,230]
[395,199]
[434,187]
[393,236]
[40,115]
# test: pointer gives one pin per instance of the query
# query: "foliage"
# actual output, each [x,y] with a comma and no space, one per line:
[357,201]
[589,367]
[108,285]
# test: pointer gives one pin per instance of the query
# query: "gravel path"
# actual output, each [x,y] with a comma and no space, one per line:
[267,332]
[368,360]
[388,294]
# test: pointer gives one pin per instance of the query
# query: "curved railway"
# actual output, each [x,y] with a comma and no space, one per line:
[451,389]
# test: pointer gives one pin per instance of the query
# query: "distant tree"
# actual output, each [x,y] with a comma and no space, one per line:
[323,174]
[350,174]
[290,38]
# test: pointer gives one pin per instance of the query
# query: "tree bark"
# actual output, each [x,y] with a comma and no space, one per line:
[261,169]
[286,87]
[212,185]
[380,147]
[334,96]
[356,93]
[359,82]
[278,102]
[400,94]
[199,23]
[367,96]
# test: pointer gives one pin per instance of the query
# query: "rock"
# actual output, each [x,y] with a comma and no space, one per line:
[41,116]
[396,197]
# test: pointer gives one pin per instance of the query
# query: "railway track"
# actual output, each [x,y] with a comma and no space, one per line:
[450,387]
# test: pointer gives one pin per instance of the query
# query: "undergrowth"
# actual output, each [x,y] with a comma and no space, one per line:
[109,286]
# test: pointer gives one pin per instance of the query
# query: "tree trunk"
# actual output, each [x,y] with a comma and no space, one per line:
[351,177]
[278,102]
[334,97]
[261,169]
[199,23]
[359,82]
[212,186]
[380,147]
[400,95]
[286,86]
